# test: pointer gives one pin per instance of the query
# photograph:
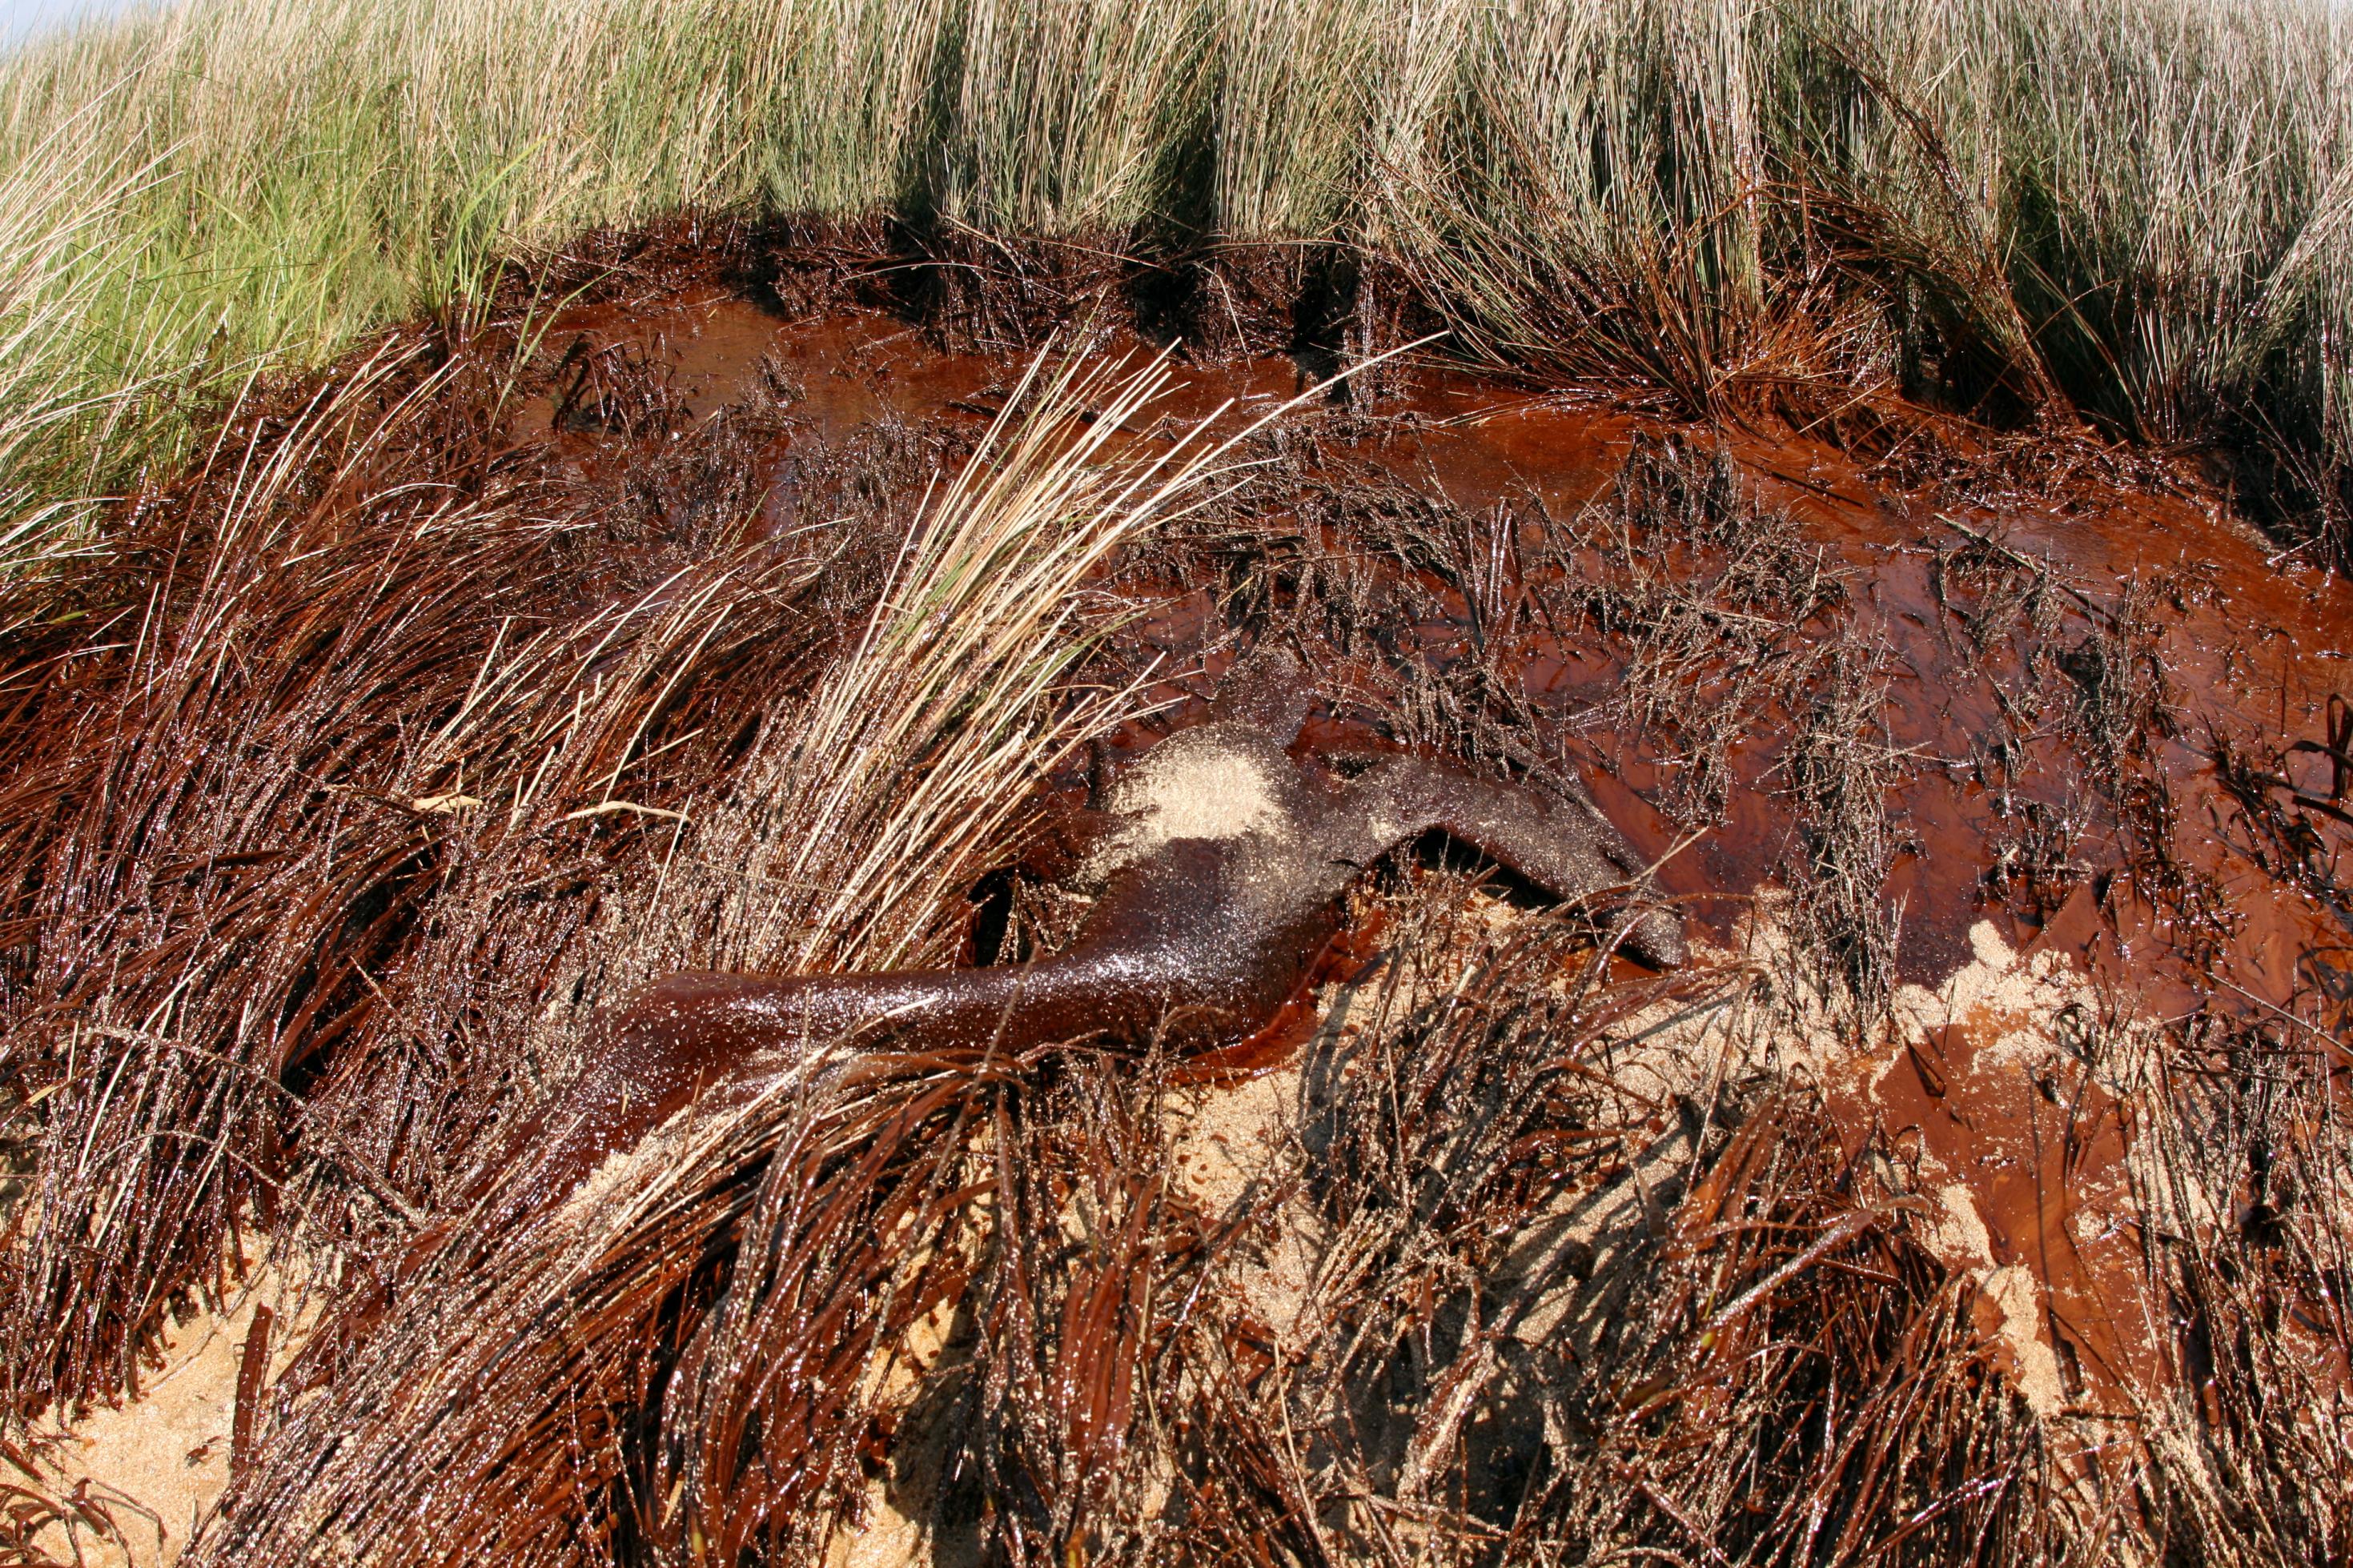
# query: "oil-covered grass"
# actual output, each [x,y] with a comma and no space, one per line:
[2132,214]
[389,747]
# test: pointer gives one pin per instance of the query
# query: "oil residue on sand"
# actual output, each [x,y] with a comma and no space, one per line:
[2089,700]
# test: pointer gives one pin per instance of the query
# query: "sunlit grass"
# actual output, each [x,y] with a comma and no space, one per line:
[2133,212]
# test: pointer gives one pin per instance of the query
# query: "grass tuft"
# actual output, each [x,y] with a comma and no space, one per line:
[2133,215]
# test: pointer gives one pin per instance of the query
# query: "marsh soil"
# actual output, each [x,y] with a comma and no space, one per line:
[2102,717]
[2239,649]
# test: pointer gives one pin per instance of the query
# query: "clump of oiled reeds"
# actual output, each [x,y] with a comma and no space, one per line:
[1842,770]
[2244,1188]
[1714,600]
[1045,1431]
[1558,1298]
[347,663]
[683,1363]
[687,1361]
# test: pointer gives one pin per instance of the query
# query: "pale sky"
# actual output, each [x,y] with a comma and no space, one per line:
[22,20]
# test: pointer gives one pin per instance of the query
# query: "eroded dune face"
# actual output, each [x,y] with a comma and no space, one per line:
[2016,948]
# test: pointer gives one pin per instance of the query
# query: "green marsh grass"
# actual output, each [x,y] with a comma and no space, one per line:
[2133,215]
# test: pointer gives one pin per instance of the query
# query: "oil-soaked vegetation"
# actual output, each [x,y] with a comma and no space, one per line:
[721,620]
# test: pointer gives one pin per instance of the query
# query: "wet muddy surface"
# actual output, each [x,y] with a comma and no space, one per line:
[2098,715]
[2244,652]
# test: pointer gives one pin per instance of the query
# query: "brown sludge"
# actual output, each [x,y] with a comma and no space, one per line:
[1976,1192]
[1214,873]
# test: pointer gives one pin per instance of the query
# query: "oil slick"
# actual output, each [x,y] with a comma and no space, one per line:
[1217,868]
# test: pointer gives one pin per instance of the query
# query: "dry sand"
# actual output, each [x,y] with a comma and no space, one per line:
[161,1462]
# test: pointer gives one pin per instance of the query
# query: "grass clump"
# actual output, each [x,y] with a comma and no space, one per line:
[2125,213]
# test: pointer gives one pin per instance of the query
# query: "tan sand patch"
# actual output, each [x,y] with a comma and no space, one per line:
[168,1451]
